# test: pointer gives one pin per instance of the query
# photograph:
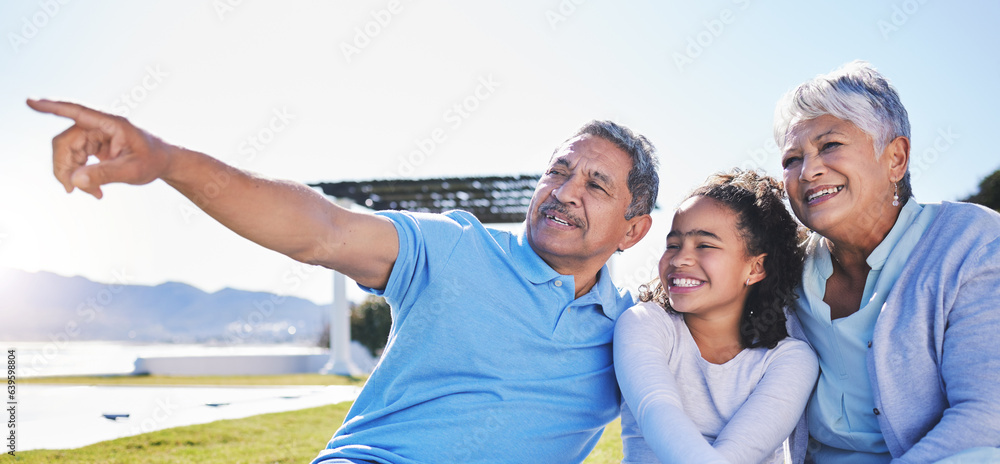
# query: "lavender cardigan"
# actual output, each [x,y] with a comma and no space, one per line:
[934,362]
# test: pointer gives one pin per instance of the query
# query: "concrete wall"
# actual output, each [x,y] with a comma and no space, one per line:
[246,364]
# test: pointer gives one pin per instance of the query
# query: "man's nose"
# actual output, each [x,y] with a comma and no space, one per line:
[570,191]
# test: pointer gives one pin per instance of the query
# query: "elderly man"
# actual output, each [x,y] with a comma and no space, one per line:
[500,349]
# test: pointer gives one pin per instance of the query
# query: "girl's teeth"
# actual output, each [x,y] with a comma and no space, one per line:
[686,283]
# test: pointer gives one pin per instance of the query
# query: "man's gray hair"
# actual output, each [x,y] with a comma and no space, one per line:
[643,180]
[856,93]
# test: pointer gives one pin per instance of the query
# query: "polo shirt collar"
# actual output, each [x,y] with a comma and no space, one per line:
[531,266]
[537,271]
[607,295]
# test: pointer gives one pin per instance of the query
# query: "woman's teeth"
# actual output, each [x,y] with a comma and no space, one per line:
[686,283]
[826,191]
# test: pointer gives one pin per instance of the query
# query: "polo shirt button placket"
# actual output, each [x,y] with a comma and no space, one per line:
[557,283]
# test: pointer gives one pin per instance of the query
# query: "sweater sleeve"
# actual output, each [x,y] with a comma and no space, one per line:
[774,408]
[970,364]
[641,351]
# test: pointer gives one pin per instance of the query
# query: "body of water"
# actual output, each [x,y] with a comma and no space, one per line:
[70,416]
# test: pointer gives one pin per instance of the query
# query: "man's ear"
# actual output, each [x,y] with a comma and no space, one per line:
[757,272]
[638,227]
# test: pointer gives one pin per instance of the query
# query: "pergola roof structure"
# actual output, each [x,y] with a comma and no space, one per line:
[492,199]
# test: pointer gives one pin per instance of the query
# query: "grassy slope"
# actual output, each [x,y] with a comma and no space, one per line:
[285,437]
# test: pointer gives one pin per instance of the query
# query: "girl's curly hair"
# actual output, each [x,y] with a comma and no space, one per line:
[766,227]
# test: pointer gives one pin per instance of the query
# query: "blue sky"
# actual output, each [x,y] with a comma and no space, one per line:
[327,91]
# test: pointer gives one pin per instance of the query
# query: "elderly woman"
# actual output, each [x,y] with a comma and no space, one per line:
[901,300]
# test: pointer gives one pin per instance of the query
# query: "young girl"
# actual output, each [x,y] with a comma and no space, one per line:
[705,365]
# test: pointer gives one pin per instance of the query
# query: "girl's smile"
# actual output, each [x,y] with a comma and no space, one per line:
[705,266]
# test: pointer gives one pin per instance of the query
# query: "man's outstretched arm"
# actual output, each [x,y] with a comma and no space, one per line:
[287,217]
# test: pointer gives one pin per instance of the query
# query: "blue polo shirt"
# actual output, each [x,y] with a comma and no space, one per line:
[490,358]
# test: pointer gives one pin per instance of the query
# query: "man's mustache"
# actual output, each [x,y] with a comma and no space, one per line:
[563,212]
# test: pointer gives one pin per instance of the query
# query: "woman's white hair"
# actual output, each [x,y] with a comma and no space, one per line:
[855,92]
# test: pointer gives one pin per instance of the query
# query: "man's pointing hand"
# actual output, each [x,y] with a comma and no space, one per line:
[125,153]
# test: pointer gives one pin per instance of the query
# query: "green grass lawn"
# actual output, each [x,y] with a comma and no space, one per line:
[609,449]
[285,437]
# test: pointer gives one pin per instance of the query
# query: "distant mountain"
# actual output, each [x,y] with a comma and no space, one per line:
[43,306]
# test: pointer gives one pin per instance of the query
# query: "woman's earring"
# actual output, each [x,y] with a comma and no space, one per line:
[748,282]
[895,194]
